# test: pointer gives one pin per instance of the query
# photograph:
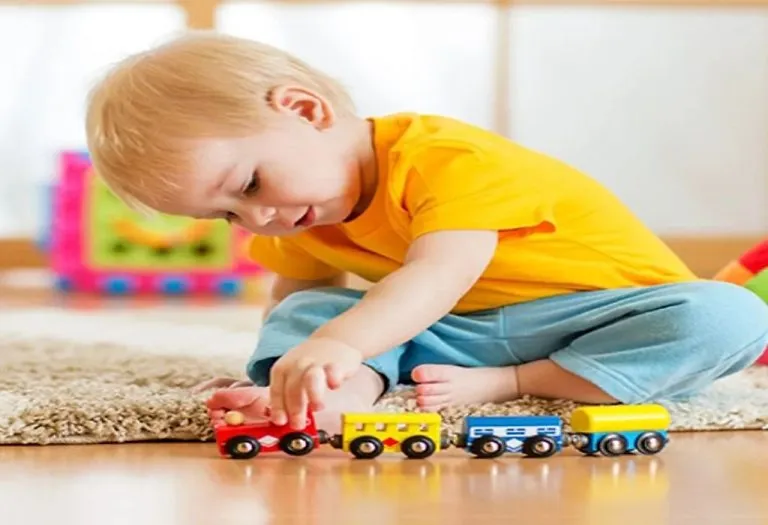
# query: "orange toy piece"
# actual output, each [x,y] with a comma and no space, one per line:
[743,269]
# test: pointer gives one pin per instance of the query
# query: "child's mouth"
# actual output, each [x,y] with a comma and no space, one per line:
[307,219]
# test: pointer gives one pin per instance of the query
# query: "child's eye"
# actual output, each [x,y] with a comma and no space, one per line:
[253,184]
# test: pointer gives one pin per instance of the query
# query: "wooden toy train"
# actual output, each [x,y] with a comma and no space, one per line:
[609,430]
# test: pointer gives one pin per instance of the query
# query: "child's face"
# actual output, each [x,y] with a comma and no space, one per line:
[296,174]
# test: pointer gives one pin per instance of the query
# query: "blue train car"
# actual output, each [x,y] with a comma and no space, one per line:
[492,436]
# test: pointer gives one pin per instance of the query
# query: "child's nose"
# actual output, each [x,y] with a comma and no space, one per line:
[262,216]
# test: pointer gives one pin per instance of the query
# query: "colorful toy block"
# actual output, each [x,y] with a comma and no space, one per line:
[98,244]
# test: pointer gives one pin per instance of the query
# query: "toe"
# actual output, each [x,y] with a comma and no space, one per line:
[433,402]
[432,389]
[434,373]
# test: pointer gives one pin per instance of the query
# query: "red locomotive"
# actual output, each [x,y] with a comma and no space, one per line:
[238,440]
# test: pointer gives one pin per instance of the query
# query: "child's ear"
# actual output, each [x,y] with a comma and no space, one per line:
[305,103]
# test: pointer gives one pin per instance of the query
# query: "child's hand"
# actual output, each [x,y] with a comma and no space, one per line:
[300,378]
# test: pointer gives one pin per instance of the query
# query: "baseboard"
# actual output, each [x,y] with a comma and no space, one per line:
[705,255]
[21,253]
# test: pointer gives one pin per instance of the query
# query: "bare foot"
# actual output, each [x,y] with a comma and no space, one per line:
[442,385]
[251,401]
[357,394]
[220,382]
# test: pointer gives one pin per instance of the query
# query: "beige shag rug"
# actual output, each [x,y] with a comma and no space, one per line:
[123,375]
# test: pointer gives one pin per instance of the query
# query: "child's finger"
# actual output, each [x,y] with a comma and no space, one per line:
[295,397]
[334,376]
[314,383]
[276,397]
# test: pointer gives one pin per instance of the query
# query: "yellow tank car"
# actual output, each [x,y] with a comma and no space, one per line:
[612,430]
[368,435]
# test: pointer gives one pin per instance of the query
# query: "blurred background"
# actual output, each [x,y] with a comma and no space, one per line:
[664,102]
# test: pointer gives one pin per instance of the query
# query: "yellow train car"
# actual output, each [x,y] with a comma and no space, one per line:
[368,435]
[612,430]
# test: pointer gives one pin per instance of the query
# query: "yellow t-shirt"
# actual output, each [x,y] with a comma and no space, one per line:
[559,230]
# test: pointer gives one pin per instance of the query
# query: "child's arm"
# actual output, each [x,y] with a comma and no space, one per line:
[439,269]
[282,287]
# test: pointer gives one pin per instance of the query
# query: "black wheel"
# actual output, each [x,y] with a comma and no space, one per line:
[650,443]
[243,447]
[366,447]
[612,445]
[539,447]
[488,447]
[336,441]
[297,444]
[418,447]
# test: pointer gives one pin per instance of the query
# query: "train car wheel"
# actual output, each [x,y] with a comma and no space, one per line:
[418,447]
[488,447]
[366,447]
[243,447]
[650,443]
[539,447]
[297,444]
[613,445]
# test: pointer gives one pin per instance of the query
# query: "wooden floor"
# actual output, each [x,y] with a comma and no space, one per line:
[713,478]
[709,478]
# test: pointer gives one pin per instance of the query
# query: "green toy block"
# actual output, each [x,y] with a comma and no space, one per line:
[759,285]
[108,250]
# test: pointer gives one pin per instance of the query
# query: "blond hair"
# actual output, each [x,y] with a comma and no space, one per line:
[142,115]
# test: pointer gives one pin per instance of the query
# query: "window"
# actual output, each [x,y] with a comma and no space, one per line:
[50,56]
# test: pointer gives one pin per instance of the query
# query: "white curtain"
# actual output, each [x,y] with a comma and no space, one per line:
[667,106]
[50,55]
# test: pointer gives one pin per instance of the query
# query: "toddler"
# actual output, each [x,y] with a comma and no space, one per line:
[497,271]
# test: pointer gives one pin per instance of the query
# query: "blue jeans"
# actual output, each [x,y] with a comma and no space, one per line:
[636,344]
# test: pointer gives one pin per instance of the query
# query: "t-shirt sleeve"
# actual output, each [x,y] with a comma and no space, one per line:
[451,189]
[285,257]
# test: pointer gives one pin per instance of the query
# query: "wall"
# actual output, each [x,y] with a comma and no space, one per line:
[666,105]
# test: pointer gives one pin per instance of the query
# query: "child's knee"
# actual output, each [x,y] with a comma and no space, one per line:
[725,322]
[699,333]
[721,329]
[292,321]
[316,304]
